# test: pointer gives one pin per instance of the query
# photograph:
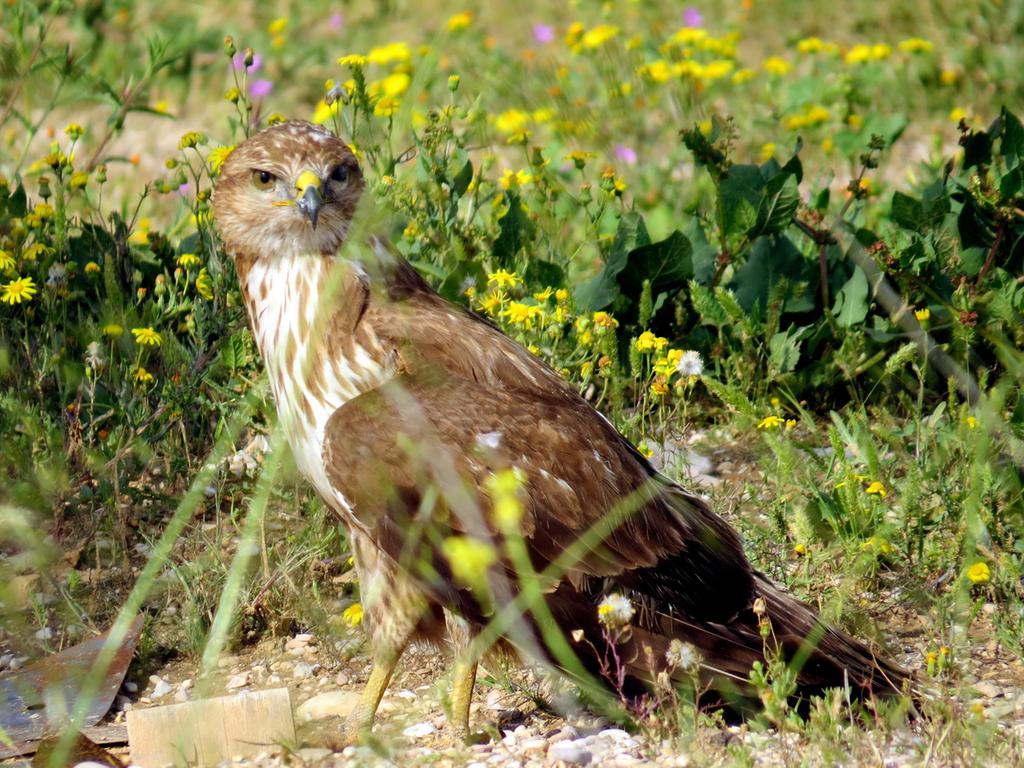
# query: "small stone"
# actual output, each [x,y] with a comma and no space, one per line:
[535,744]
[302,670]
[44,634]
[418,731]
[564,734]
[131,687]
[314,754]
[571,752]
[987,689]
[329,704]
[160,688]
[238,681]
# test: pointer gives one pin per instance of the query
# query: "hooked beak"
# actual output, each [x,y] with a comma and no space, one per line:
[310,199]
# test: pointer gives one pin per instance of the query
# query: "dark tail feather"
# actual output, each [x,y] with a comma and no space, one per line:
[824,657]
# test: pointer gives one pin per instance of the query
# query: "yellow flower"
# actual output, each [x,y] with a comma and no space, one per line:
[741,76]
[656,71]
[799,550]
[277,26]
[78,179]
[522,314]
[512,121]
[915,45]
[217,157]
[767,152]
[971,422]
[604,320]
[949,76]
[503,279]
[922,314]
[142,376]
[979,573]
[385,54]
[659,388]
[204,285]
[511,179]
[386,107]
[353,615]
[492,301]
[112,330]
[811,45]
[648,342]
[645,450]
[325,111]
[92,268]
[876,489]
[599,35]
[188,260]
[770,422]
[191,140]
[459,21]
[790,424]
[147,337]
[73,131]
[775,65]
[545,294]
[17,291]
[573,34]
[393,85]
[7,262]
[878,545]
[668,365]
[353,60]
[957,114]
[880,51]
[561,295]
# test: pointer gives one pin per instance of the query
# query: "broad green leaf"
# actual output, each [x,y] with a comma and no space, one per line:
[906,211]
[778,204]
[515,232]
[851,306]
[740,197]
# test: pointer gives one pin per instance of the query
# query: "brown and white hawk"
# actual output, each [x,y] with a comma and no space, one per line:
[400,407]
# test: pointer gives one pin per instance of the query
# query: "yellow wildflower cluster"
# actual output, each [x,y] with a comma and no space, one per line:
[862,53]
[812,115]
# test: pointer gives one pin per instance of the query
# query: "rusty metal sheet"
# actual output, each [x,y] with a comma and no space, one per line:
[57,679]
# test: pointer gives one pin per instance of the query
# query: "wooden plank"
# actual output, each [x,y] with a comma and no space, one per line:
[206,731]
[99,734]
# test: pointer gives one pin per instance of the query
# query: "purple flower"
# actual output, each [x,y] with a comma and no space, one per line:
[692,18]
[239,62]
[260,88]
[543,33]
[336,22]
[625,154]
[184,189]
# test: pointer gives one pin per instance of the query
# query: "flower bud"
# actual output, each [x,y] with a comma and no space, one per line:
[229,46]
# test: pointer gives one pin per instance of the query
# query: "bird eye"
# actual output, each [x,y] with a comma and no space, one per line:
[263,179]
[340,174]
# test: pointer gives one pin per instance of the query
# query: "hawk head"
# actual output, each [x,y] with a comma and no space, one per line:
[291,189]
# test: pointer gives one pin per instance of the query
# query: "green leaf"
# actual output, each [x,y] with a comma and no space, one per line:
[851,306]
[704,253]
[601,291]
[461,181]
[773,259]
[971,261]
[515,232]
[740,195]
[668,264]
[906,211]
[543,273]
[778,205]
[1012,144]
[784,349]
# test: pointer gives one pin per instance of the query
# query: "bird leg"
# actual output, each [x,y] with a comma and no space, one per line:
[462,694]
[360,720]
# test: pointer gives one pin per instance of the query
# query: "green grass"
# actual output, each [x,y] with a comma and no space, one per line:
[620,194]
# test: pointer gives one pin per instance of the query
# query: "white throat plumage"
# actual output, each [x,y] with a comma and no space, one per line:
[311,373]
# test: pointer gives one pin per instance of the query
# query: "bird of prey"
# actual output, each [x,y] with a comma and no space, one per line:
[402,409]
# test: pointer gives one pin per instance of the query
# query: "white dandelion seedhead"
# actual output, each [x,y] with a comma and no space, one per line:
[690,364]
[682,656]
[94,356]
[615,611]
